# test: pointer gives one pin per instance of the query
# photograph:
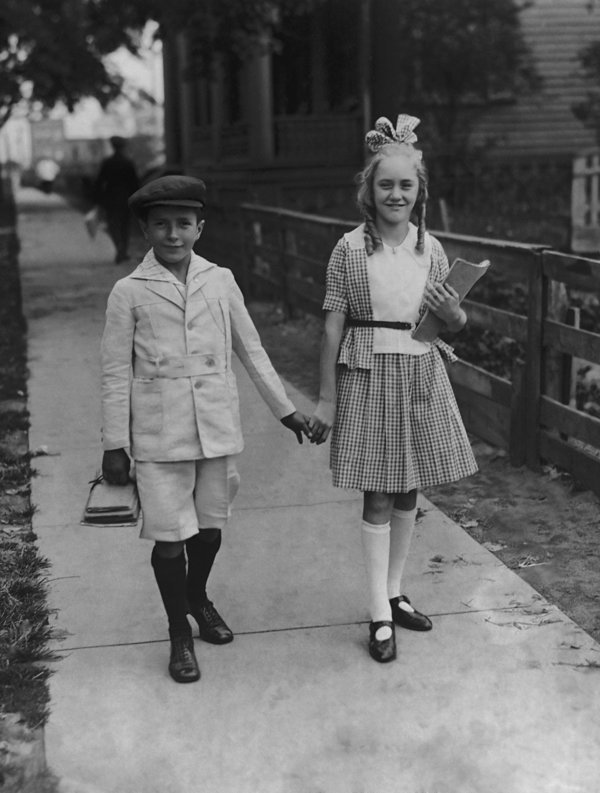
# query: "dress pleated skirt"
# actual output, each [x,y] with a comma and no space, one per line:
[398,426]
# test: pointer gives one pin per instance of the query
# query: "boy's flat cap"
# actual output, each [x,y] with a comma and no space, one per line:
[184,191]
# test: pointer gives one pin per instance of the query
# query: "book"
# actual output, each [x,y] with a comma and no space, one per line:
[463,276]
[111,505]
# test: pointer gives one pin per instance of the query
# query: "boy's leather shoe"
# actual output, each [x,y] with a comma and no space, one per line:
[413,620]
[183,666]
[382,651]
[213,627]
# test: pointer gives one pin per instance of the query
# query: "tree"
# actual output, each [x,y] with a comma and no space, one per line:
[458,57]
[52,50]
[220,27]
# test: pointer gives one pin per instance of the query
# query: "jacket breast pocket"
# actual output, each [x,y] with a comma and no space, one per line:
[146,405]
[207,316]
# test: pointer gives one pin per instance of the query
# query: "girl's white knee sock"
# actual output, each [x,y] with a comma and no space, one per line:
[401,531]
[376,551]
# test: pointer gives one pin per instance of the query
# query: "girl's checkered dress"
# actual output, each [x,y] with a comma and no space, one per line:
[397,427]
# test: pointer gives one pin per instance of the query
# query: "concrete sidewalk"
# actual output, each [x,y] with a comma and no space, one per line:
[501,697]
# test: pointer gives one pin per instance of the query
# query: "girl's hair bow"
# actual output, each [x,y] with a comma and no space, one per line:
[385,133]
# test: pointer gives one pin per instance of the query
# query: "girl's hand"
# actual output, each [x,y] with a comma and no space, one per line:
[115,466]
[321,421]
[444,301]
[297,423]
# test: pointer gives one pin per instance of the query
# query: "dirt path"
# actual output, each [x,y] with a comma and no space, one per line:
[540,525]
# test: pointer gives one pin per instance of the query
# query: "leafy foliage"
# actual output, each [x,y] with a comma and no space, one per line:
[458,57]
[51,51]
[224,27]
[491,351]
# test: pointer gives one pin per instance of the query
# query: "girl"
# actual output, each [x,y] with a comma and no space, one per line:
[396,426]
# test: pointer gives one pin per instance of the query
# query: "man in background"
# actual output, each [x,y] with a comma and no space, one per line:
[117,179]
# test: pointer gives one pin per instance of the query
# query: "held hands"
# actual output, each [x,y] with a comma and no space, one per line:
[115,466]
[298,424]
[321,422]
[444,301]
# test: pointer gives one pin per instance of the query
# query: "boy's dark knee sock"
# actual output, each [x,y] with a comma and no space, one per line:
[170,577]
[201,550]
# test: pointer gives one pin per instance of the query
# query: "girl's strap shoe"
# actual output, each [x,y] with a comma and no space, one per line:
[413,620]
[382,651]
[183,666]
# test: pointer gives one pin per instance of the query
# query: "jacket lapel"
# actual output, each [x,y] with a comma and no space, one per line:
[159,280]
[198,274]
[167,290]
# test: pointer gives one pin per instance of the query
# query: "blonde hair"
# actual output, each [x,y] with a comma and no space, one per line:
[366,203]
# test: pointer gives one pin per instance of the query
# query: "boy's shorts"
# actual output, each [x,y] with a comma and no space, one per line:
[181,497]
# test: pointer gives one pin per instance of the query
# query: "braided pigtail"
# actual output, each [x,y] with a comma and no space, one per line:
[421,215]
[371,235]
[421,205]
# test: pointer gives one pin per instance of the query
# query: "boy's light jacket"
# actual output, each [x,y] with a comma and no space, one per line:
[168,389]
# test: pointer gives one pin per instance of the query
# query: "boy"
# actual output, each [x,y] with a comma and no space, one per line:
[169,396]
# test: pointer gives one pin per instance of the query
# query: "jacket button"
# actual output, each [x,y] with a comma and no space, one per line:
[190,325]
[198,384]
[210,361]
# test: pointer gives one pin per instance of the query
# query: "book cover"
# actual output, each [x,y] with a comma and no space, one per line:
[463,276]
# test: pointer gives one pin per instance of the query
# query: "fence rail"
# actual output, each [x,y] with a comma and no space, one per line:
[531,414]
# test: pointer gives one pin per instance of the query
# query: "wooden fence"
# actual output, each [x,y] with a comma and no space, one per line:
[283,256]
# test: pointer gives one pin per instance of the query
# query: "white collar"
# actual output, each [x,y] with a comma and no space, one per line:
[356,238]
[151,269]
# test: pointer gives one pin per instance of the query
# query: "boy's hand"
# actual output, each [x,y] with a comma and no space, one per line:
[115,466]
[298,424]
[445,303]
[321,421]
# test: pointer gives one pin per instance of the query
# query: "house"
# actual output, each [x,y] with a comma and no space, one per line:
[287,127]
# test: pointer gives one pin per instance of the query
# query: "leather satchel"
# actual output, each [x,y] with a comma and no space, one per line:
[111,505]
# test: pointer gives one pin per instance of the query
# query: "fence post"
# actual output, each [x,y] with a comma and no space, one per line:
[517,443]
[554,368]
[572,318]
[533,361]
[284,265]
[245,279]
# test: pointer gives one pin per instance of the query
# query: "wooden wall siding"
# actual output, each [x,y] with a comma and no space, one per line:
[556,31]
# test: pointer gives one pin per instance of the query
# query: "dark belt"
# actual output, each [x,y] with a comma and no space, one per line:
[374,323]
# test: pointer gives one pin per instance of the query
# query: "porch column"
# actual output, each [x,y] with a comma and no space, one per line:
[172,110]
[365,57]
[260,109]
[186,103]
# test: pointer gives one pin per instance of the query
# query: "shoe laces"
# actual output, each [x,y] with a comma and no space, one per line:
[182,650]
[210,614]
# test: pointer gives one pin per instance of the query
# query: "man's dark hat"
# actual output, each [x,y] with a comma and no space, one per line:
[182,191]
